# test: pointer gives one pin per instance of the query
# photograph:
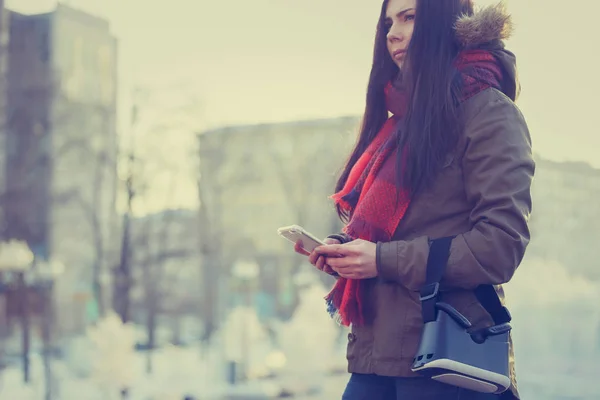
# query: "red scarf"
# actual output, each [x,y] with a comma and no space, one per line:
[371,195]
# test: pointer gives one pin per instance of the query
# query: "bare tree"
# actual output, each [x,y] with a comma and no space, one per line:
[134,185]
[210,247]
[210,237]
[160,248]
[97,212]
[143,162]
[93,214]
[298,187]
[122,272]
[293,178]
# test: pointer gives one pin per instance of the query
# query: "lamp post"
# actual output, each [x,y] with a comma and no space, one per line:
[44,276]
[246,271]
[16,257]
[105,282]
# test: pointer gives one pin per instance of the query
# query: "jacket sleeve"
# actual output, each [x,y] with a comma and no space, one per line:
[498,169]
[341,237]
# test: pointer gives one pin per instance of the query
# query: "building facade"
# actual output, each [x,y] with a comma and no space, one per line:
[61,149]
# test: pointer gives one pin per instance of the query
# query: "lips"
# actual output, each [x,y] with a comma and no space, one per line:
[399,53]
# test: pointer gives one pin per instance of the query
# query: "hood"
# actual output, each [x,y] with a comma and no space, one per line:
[486,25]
[486,29]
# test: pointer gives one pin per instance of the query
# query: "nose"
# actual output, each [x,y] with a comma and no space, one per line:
[395,34]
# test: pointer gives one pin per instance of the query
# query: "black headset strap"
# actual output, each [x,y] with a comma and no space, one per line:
[439,253]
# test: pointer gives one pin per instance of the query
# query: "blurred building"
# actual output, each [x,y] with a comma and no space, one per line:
[3,69]
[255,179]
[565,217]
[60,154]
[4,35]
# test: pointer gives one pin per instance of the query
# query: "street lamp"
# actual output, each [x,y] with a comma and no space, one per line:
[245,270]
[48,271]
[16,257]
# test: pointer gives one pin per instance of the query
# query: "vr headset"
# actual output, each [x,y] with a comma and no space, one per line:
[450,351]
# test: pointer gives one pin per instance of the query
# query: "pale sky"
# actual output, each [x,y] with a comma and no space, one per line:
[275,60]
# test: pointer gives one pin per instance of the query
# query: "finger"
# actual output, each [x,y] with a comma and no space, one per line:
[331,241]
[320,264]
[327,269]
[349,274]
[313,257]
[334,250]
[298,247]
[346,270]
[340,262]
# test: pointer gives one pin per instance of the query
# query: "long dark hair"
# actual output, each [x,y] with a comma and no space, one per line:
[432,123]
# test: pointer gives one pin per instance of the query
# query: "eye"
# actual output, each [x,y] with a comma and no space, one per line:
[409,17]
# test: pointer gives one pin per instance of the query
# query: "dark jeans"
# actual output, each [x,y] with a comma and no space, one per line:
[373,387]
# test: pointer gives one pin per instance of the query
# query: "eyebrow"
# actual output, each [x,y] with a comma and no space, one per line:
[401,13]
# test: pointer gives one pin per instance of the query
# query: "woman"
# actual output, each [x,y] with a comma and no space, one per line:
[453,159]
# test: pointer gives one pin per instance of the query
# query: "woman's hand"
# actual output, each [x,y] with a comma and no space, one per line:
[315,258]
[354,260]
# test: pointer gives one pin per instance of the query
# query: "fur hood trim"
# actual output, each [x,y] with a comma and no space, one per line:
[486,25]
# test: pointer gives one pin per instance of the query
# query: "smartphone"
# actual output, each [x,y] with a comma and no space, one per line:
[296,233]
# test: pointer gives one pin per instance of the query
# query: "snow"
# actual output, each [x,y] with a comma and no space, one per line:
[12,387]
[99,365]
[309,339]
[245,340]
[558,360]
[113,354]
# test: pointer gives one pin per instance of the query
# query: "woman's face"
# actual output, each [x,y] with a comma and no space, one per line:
[400,21]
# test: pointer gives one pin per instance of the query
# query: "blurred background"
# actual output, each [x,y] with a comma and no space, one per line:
[150,151]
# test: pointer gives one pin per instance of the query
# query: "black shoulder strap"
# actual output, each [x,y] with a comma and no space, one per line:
[439,253]
[488,297]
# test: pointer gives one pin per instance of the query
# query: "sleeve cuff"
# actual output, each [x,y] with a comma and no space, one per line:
[403,262]
[341,237]
[387,261]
